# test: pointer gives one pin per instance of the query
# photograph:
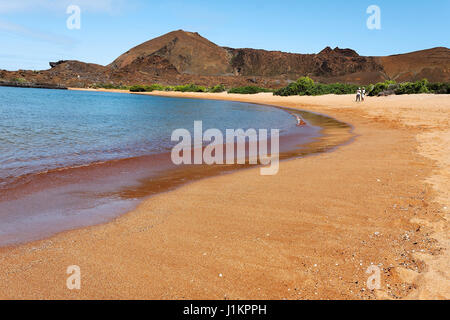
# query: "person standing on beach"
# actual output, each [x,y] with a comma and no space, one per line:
[363,94]
[358,95]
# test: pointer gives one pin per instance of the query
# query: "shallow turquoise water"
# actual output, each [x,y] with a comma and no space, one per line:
[48,129]
[55,147]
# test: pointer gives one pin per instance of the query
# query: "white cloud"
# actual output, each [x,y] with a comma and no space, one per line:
[13,28]
[97,6]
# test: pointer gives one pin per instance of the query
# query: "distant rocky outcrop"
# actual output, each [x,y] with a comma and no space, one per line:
[181,57]
[30,85]
[54,64]
[337,51]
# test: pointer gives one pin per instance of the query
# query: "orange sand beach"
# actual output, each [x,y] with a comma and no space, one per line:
[310,232]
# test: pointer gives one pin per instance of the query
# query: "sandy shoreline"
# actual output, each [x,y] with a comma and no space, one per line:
[308,233]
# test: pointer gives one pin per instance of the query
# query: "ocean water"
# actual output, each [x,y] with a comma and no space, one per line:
[42,130]
[70,159]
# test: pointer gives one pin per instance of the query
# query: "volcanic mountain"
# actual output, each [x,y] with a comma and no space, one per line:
[181,57]
[188,52]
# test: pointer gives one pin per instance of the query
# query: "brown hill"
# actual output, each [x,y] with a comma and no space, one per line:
[188,52]
[181,57]
[324,66]
[433,64]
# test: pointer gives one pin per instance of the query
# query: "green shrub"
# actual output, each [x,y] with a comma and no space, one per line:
[142,88]
[306,87]
[421,86]
[289,90]
[190,88]
[413,88]
[439,88]
[155,87]
[405,88]
[340,88]
[380,87]
[217,89]
[19,80]
[303,86]
[248,90]
[110,86]
[138,88]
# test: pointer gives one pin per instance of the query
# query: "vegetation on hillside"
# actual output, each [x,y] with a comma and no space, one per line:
[422,86]
[217,89]
[190,88]
[304,86]
[180,88]
[110,86]
[196,88]
[248,90]
[19,80]
[307,87]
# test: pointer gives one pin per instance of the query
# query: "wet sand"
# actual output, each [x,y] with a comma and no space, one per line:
[309,232]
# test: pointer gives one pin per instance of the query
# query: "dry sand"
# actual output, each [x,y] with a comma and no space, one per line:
[309,232]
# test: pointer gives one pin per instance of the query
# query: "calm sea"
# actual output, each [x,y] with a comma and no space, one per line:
[42,130]
[69,159]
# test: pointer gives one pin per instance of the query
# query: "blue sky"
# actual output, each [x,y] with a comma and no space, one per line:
[34,32]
